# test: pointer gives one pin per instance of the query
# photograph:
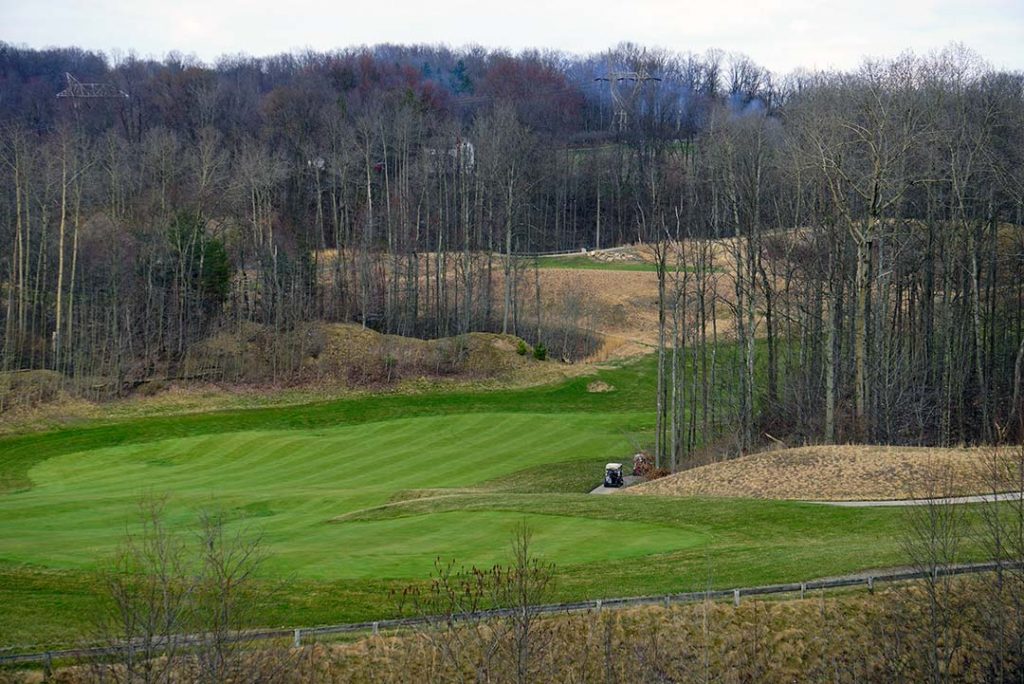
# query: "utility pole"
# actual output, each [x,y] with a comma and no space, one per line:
[625,87]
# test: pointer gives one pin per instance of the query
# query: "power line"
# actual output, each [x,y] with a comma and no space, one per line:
[78,90]
[625,87]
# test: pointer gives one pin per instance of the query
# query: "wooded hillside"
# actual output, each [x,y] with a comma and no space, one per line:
[863,230]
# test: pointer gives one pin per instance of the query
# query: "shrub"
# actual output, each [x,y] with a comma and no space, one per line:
[540,352]
[656,473]
[521,349]
[390,364]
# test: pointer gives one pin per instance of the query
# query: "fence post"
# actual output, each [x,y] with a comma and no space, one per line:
[667,600]
[803,589]
[297,638]
[598,604]
[871,585]
[736,597]
[376,628]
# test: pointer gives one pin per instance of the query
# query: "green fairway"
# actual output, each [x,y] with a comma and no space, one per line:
[357,497]
[585,262]
[293,482]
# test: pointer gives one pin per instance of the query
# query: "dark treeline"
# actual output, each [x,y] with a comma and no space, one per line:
[863,226]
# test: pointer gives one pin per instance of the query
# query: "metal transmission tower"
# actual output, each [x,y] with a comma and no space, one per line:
[625,87]
[78,90]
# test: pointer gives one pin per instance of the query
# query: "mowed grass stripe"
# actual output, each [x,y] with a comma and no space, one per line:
[292,483]
[355,458]
[349,461]
[390,549]
[633,393]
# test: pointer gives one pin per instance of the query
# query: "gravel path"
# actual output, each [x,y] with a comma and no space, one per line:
[978,498]
[628,479]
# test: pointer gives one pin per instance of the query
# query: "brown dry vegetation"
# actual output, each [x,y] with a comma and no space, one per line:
[847,638]
[622,306]
[619,306]
[351,355]
[837,473]
[236,369]
[28,388]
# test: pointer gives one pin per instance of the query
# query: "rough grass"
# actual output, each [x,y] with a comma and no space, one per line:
[852,636]
[620,305]
[615,293]
[841,473]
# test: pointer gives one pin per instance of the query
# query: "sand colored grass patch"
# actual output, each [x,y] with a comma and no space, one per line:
[844,473]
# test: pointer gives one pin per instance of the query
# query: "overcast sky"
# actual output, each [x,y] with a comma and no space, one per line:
[780,34]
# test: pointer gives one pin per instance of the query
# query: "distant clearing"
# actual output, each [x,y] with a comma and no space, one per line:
[842,473]
[621,261]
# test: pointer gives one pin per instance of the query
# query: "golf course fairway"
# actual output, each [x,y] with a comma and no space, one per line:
[355,498]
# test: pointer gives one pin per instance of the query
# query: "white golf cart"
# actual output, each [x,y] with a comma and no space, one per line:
[613,475]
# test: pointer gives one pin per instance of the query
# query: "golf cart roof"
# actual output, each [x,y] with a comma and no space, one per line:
[613,466]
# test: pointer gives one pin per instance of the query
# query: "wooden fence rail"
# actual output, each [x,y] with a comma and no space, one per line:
[297,634]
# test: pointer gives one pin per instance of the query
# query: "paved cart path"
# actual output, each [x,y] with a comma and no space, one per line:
[977,498]
[627,479]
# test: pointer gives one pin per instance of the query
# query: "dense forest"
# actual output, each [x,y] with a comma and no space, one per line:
[870,221]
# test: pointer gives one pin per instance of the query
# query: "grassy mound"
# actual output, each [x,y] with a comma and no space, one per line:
[348,354]
[842,473]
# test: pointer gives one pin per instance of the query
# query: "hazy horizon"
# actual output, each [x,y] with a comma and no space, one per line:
[782,36]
